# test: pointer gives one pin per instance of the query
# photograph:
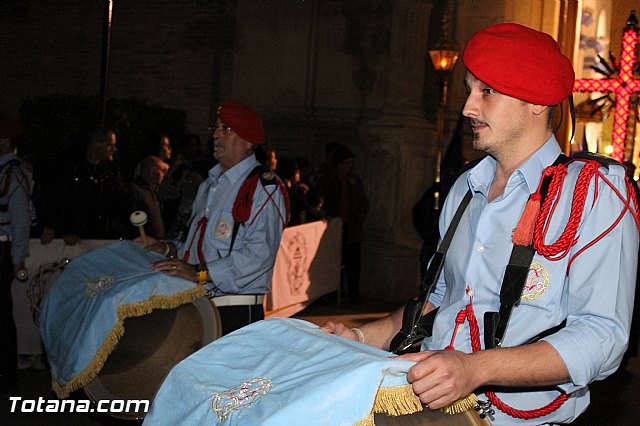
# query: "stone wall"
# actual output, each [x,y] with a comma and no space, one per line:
[355,72]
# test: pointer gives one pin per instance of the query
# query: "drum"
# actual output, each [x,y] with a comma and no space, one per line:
[150,347]
[433,418]
[283,371]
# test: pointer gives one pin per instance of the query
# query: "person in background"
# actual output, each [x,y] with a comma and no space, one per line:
[345,198]
[289,171]
[89,203]
[266,155]
[144,192]
[15,226]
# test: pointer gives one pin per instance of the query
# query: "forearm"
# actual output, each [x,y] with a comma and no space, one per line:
[537,364]
[380,333]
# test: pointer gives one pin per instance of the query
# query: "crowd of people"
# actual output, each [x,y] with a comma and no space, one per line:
[568,325]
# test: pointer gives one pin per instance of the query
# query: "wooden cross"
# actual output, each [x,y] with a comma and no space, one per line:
[624,86]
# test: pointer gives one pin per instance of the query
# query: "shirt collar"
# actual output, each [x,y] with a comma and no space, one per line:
[234,173]
[481,176]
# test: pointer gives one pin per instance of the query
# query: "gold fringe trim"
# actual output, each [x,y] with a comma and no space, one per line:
[367,421]
[396,401]
[461,405]
[138,309]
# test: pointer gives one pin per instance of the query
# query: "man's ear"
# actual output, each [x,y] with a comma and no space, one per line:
[539,109]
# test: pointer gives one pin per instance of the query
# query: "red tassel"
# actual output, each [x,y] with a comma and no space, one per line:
[523,234]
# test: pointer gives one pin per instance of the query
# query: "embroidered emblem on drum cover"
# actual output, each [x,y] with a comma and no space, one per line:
[239,397]
[99,284]
[223,230]
[537,282]
[296,262]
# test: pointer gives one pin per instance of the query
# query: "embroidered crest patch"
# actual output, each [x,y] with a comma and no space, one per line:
[239,397]
[223,230]
[537,282]
[99,284]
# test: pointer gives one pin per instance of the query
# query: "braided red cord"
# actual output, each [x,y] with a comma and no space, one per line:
[474,331]
[244,200]
[561,247]
[567,239]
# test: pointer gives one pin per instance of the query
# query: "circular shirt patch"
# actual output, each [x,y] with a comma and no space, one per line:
[537,282]
[223,230]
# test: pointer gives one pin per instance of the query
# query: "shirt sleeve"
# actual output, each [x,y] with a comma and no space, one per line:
[600,286]
[255,247]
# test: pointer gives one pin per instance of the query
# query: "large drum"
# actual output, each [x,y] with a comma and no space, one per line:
[284,371]
[432,418]
[115,327]
[151,346]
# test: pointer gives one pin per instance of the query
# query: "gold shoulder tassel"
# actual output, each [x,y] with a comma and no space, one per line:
[461,405]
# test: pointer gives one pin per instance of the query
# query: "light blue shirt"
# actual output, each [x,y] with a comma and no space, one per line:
[15,223]
[595,294]
[249,266]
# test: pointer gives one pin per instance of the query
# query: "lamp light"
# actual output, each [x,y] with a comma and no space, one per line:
[443,58]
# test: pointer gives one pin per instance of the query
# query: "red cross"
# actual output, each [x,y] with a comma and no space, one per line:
[624,86]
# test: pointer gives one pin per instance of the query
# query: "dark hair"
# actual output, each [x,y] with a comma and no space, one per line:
[100,135]
[343,154]
[263,154]
[550,118]
[287,168]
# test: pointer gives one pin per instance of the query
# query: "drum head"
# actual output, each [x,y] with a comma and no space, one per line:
[433,418]
[150,347]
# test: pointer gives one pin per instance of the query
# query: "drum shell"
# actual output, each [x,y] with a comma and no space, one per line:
[151,346]
[433,418]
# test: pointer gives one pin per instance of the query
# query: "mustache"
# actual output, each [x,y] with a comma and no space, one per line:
[217,143]
[477,123]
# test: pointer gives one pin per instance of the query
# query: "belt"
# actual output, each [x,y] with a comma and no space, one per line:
[238,299]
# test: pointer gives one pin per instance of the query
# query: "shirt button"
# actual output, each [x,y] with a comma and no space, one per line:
[480,248]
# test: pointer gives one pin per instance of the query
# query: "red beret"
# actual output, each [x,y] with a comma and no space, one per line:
[243,120]
[9,128]
[520,62]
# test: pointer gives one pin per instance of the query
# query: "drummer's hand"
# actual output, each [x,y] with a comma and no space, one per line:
[339,329]
[440,377]
[176,268]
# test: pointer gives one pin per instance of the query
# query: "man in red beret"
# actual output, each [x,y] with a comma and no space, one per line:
[531,355]
[15,225]
[237,221]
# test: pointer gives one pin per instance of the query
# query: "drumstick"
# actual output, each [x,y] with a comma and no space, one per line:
[139,218]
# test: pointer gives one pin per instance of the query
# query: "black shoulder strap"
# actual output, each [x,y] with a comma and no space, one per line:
[413,330]
[515,276]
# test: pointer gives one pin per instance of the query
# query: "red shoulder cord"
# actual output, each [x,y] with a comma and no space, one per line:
[468,314]
[242,211]
[244,201]
[560,248]
[532,228]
